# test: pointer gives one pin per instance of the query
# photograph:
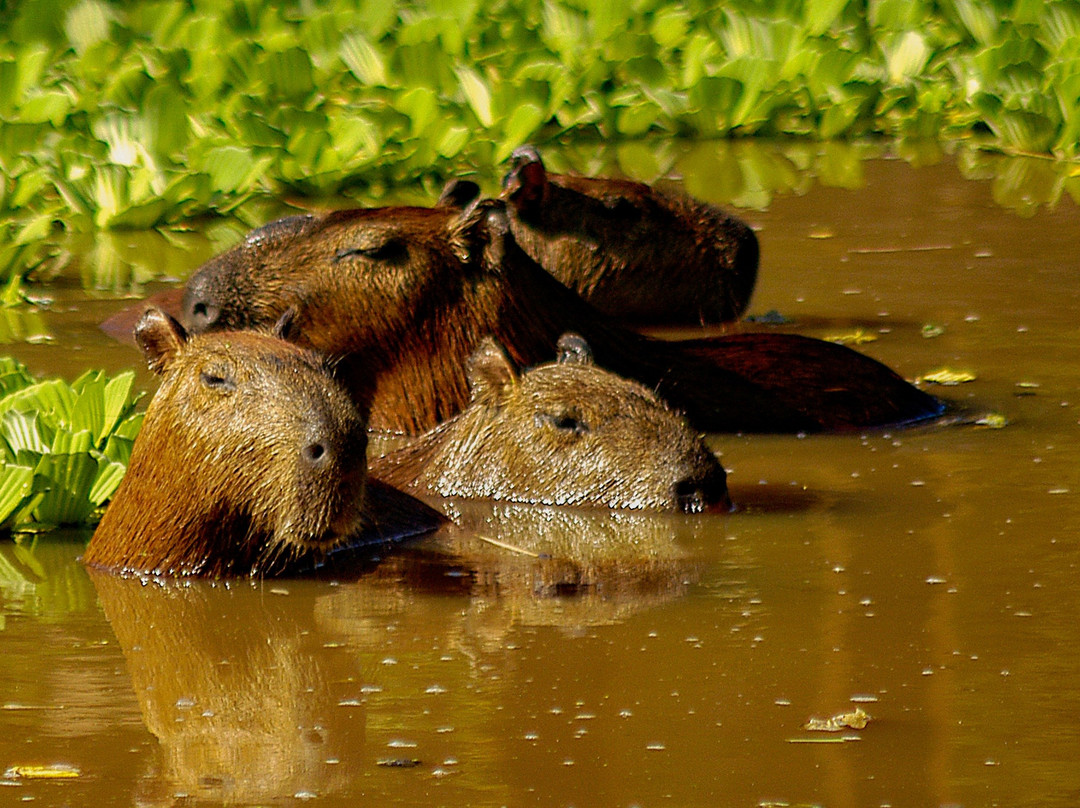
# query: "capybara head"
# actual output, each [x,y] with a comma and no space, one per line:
[562,433]
[631,250]
[251,455]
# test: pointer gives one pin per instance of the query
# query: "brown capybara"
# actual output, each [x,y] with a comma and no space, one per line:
[562,433]
[632,251]
[251,461]
[402,296]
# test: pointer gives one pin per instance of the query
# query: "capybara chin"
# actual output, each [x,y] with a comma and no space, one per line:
[402,296]
[251,459]
[562,433]
[630,250]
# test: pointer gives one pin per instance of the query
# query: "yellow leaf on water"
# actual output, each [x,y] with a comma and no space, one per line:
[948,377]
[56,771]
[856,337]
[853,720]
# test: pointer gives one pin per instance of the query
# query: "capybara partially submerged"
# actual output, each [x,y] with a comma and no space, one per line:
[251,460]
[631,250]
[404,295]
[562,433]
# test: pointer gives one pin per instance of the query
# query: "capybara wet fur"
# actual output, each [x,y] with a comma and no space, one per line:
[631,250]
[561,433]
[251,461]
[402,296]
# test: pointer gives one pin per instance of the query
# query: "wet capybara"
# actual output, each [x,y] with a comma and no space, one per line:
[562,433]
[402,296]
[251,461]
[631,250]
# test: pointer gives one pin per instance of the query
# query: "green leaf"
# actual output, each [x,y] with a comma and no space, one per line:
[64,480]
[522,124]
[16,485]
[107,481]
[23,431]
[362,58]
[477,94]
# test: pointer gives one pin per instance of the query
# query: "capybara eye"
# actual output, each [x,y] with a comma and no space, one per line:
[216,381]
[565,422]
[390,250]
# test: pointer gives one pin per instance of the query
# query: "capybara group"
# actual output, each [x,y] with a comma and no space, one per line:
[561,433]
[251,460]
[402,296]
[629,249]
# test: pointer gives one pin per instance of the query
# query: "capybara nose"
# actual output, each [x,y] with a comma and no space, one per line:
[703,493]
[200,313]
[202,316]
[316,453]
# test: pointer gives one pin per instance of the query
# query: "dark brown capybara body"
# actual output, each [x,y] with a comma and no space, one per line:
[251,461]
[404,295]
[562,433]
[632,251]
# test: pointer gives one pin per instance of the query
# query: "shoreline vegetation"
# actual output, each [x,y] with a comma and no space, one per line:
[119,116]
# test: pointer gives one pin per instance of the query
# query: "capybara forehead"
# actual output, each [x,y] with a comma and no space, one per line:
[254,349]
[591,390]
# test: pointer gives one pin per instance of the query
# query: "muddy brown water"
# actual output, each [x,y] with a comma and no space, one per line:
[928,576]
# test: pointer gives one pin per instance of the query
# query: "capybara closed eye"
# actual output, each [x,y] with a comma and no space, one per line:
[562,433]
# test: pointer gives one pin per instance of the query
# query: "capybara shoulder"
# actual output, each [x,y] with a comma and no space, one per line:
[251,458]
[632,250]
[561,433]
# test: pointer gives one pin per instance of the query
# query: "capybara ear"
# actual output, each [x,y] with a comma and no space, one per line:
[525,185]
[574,350]
[160,337]
[286,328]
[491,373]
[458,194]
[464,235]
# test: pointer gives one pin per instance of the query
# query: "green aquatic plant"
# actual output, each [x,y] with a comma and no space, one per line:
[63,448]
[138,115]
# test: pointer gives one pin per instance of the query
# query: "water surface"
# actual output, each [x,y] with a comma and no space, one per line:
[927,576]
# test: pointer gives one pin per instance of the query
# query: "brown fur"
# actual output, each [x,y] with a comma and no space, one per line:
[404,295]
[562,433]
[632,251]
[251,460]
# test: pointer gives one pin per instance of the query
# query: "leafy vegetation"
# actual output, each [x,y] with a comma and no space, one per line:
[63,448]
[138,115]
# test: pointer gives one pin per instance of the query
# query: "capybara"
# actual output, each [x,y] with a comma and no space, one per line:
[631,250]
[562,433]
[251,461]
[402,296]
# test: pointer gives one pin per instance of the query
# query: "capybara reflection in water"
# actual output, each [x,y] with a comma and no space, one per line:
[251,461]
[562,433]
[632,251]
[404,295]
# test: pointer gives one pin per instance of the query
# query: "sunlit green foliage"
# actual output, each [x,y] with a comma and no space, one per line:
[63,448]
[133,115]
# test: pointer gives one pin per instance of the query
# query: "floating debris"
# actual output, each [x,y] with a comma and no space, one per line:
[857,719]
[993,420]
[947,377]
[398,763]
[931,330]
[56,771]
[771,317]
[856,337]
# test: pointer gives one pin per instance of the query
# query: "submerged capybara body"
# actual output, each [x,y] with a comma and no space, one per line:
[404,295]
[630,250]
[562,433]
[251,459]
